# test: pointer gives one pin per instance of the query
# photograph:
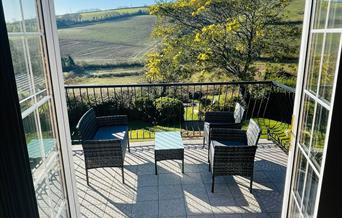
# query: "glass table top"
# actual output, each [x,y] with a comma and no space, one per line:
[168,140]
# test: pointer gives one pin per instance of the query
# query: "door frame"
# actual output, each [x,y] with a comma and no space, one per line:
[57,81]
[297,112]
[297,105]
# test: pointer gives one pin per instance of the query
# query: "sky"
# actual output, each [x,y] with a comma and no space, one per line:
[72,6]
[12,7]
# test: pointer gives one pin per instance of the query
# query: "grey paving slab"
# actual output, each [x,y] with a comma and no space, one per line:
[173,194]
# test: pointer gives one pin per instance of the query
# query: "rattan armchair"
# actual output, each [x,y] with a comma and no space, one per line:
[104,141]
[222,119]
[232,152]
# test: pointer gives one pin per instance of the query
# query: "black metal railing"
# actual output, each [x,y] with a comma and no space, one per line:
[269,102]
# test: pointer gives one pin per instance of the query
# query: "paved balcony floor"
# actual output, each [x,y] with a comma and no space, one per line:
[173,194]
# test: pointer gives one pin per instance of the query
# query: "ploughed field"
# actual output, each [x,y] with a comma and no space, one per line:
[121,40]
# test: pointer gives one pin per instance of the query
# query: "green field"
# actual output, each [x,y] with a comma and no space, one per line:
[110,13]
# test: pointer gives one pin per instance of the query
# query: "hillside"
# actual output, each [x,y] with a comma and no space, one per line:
[123,40]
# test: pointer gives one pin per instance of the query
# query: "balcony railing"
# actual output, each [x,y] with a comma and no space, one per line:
[268,102]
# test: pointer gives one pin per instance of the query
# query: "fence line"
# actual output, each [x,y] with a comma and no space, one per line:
[269,102]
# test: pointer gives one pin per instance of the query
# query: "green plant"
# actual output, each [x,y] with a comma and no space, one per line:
[169,110]
[145,107]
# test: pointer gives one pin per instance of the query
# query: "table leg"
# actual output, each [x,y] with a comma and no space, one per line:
[155,167]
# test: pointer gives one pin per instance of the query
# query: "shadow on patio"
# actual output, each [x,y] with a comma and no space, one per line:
[173,194]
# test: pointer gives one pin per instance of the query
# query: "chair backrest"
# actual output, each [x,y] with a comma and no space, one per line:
[234,160]
[253,133]
[219,117]
[87,125]
[238,113]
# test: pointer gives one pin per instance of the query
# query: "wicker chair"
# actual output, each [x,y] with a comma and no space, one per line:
[232,152]
[104,140]
[222,119]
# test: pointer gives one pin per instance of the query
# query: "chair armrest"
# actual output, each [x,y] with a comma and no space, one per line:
[115,120]
[219,117]
[226,134]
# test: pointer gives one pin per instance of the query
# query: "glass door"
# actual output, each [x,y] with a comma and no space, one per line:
[32,73]
[320,72]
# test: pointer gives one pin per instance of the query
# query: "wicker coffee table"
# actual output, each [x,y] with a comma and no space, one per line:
[168,146]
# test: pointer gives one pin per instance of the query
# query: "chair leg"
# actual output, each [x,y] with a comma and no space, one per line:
[212,183]
[251,184]
[123,175]
[87,177]
[203,142]
[208,153]
[129,147]
[209,167]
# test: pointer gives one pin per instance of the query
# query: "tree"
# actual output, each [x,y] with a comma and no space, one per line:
[221,36]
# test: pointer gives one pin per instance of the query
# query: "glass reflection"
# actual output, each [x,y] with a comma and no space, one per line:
[321,9]
[306,124]
[331,50]
[32,140]
[12,15]
[38,67]
[30,15]
[314,61]
[20,67]
[46,127]
[310,193]
[318,140]
[299,175]
[335,14]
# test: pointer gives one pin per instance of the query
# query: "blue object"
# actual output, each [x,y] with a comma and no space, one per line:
[111,132]
[34,150]
[168,140]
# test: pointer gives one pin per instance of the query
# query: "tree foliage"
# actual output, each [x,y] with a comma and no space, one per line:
[221,36]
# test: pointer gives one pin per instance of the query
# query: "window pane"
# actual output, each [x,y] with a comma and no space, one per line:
[49,139]
[12,15]
[310,193]
[56,186]
[306,125]
[314,61]
[30,15]
[294,211]
[318,140]
[32,141]
[36,57]
[21,73]
[335,14]
[299,175]
[321,9]
[331,50]
[43,199]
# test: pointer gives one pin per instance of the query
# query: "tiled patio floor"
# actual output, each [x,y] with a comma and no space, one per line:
[173,194]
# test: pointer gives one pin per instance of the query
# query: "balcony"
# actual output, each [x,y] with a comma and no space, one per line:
[171,193]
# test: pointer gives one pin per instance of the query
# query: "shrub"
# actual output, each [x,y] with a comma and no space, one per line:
[196,95]
[169,110]
[145,108]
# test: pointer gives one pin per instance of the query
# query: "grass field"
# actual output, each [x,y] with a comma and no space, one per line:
[112,12]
